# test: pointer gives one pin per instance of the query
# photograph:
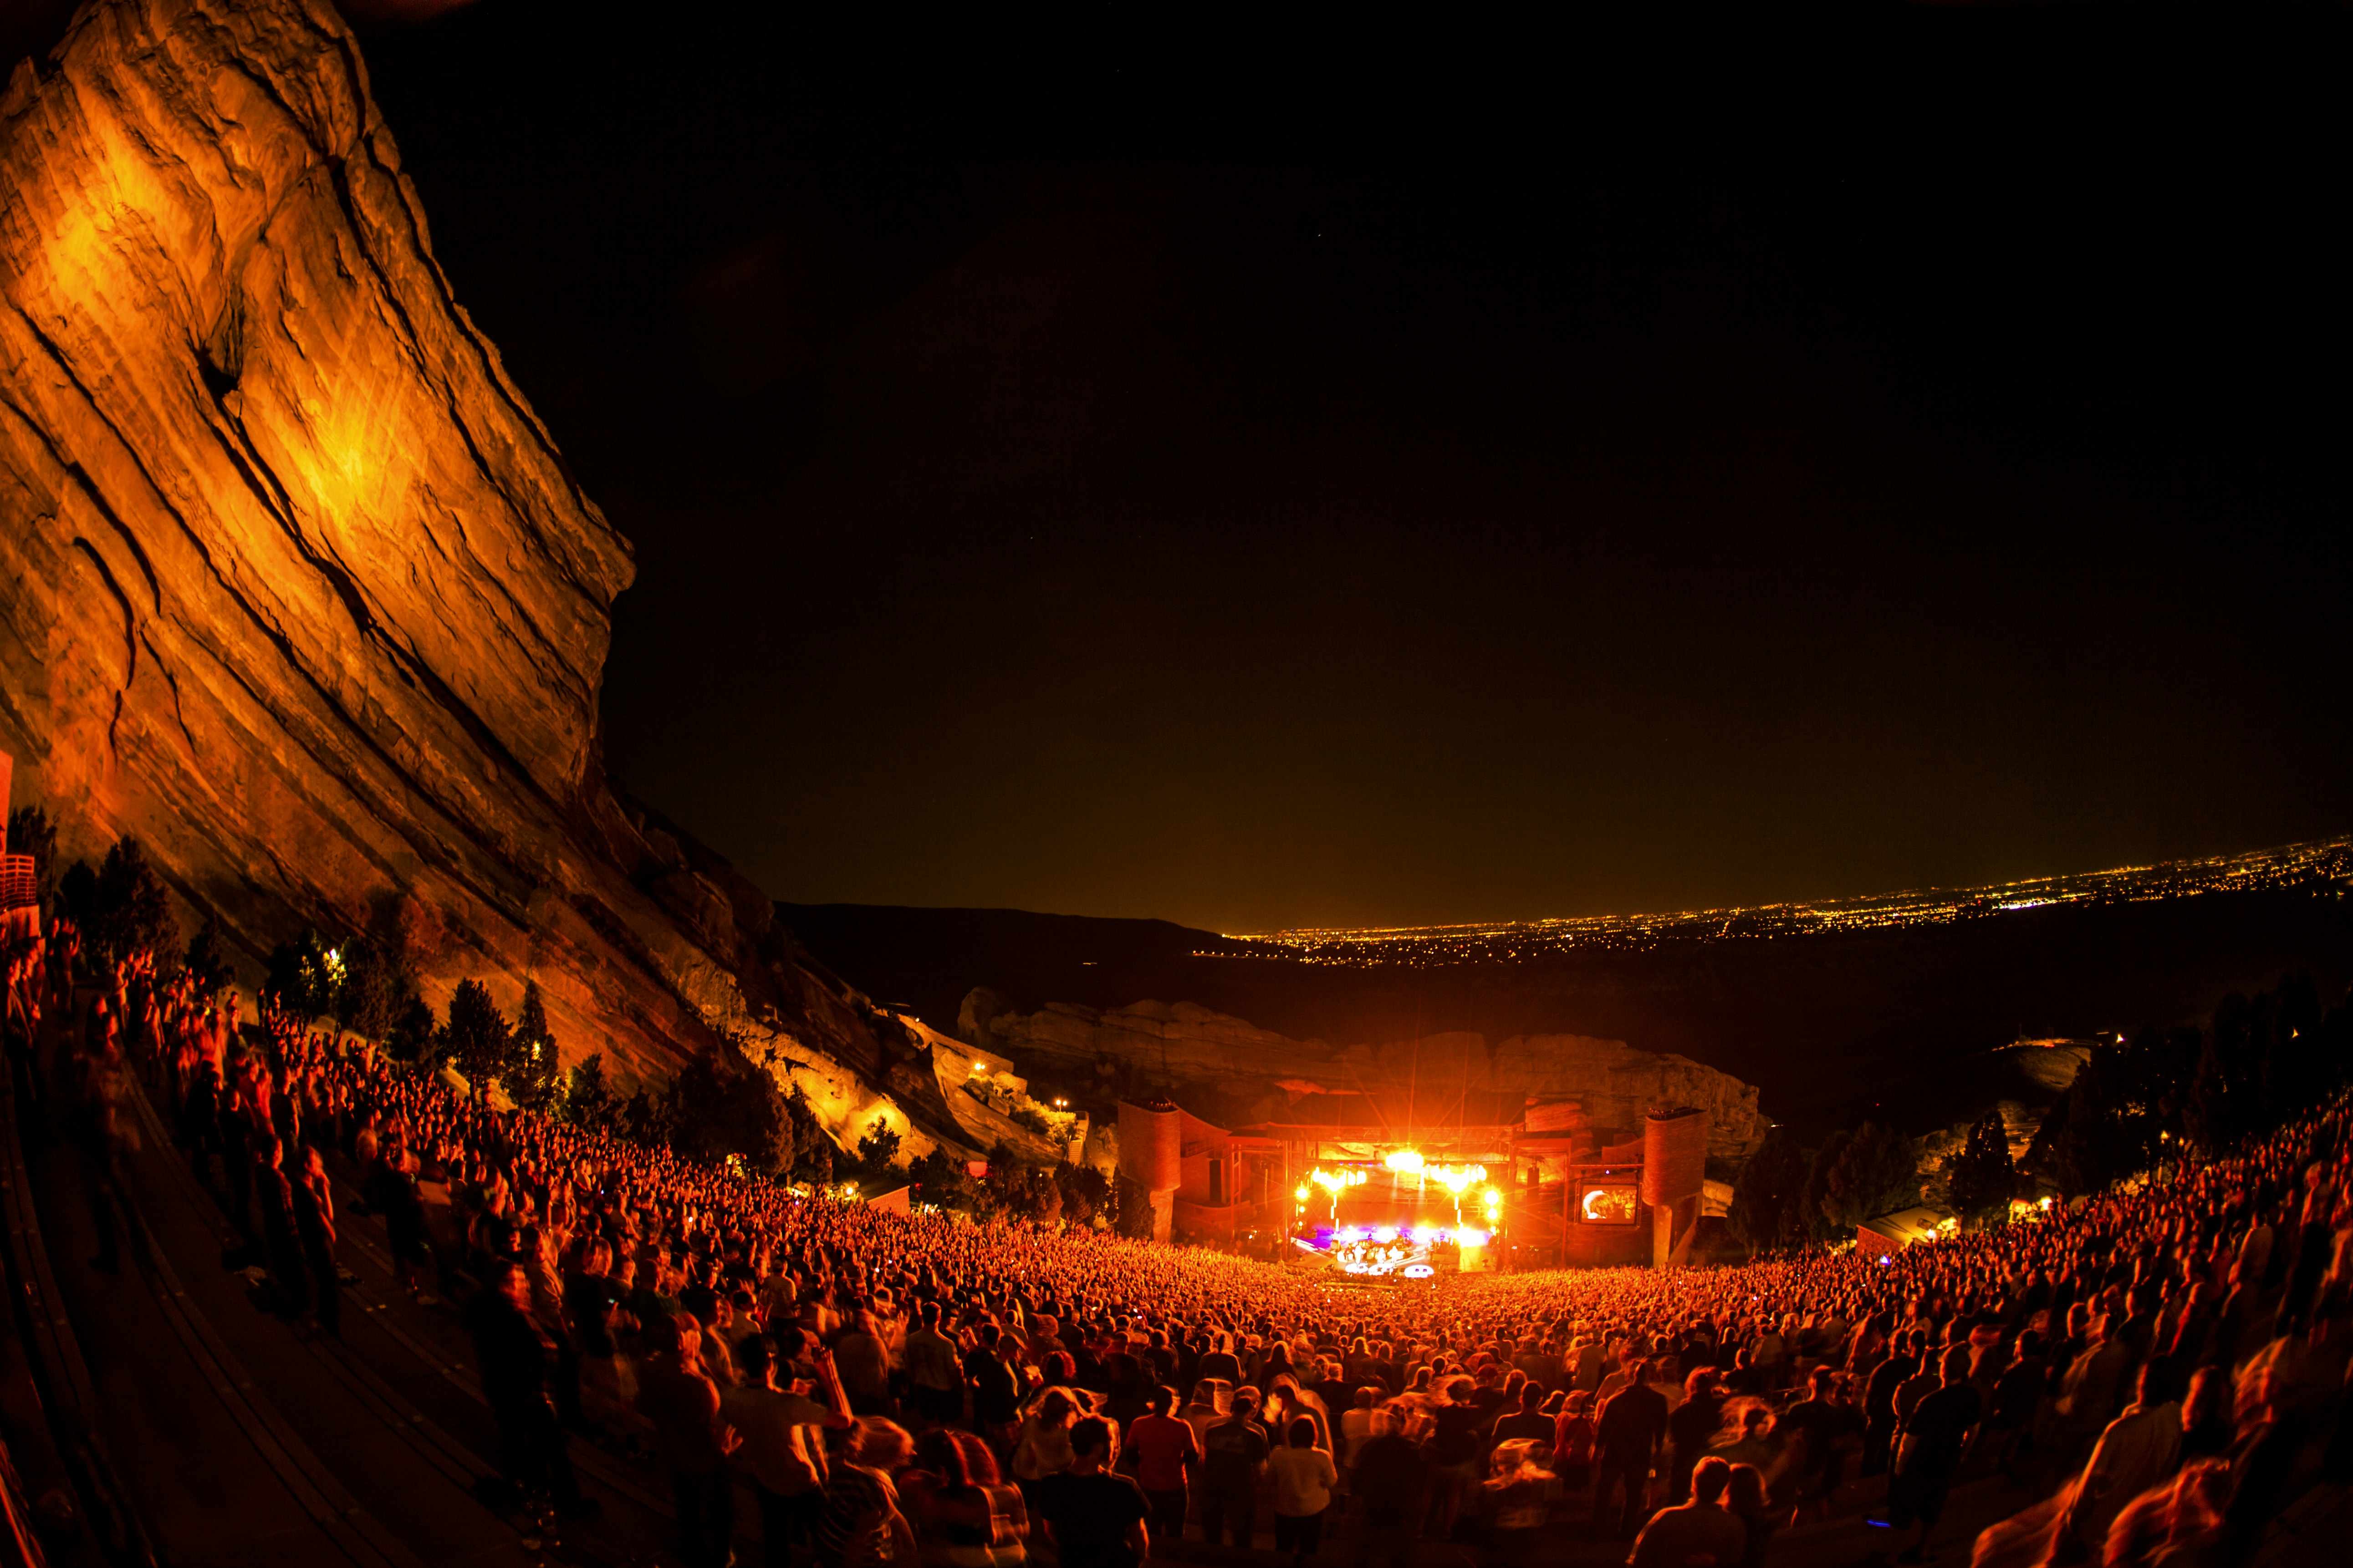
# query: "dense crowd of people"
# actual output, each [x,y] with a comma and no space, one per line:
[2149,1374]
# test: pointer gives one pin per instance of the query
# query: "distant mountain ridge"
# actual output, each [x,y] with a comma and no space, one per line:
[1899,1020]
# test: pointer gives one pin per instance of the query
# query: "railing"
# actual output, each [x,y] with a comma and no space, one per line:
[18,889]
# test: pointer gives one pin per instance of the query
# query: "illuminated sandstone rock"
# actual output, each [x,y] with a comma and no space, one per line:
[1581,1084]
[293,583]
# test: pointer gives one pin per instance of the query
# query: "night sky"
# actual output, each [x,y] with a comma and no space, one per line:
[1118,466]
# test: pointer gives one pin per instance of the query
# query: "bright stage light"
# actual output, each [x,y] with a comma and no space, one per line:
[1385,1235]
[1406,1161]
[1424,1235]
[1348,1234]
[1301,1194]
[1455,1179]
[1470,1237]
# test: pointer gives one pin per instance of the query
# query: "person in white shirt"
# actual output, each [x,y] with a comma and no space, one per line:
[782,1444]
[1304,1480]
[1355,1426]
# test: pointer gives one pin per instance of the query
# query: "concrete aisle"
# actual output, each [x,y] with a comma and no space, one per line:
[395,1409]
[201,1481]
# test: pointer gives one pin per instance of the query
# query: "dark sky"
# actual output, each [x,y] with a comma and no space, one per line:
[1115,466]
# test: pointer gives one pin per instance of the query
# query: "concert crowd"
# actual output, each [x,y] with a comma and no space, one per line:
[2150,1375]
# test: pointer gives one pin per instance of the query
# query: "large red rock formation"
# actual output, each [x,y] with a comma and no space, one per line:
[293,583]
[1234,1070]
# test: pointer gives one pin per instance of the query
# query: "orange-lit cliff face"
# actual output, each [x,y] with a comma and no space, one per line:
[293,583]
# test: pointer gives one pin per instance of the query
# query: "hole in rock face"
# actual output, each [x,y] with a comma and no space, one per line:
[219,380]
[220,358]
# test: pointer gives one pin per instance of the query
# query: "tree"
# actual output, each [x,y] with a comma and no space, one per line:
[940,1177]
[306,978]
[1979,1180]
[204,962]
[878,1169]
[1766,1198]
[477,1040]
[534,1074]
[588,1101]
[722,1105]
[129,911]
[377,986]
[1086,1192]
[1018,1189]
[30,832]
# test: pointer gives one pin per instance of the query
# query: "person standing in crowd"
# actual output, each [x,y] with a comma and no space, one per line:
[2140,1447]
[681,1401]
[1390,1481]
[782,1444]
[1304,1478]
[1238,1451]
[934,1377]
[314,1229]
[1697,1532]
[511,1356]
[1095,1517]
[861,1523]
[995,1388]
[1166,1456]
[1934,1439]
[1632,1427]
[864,1364]
[1691,1426]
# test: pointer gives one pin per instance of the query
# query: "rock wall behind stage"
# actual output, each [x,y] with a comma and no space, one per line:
[294,584]
[1233,1072]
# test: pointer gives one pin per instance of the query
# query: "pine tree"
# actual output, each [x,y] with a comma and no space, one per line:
[1764,1198]
[588,1101]
[478,1039]
[1979,1180]
[205,963]
[533,1073]
[131,913]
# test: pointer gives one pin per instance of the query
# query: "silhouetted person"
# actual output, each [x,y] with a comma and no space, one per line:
[514,1359]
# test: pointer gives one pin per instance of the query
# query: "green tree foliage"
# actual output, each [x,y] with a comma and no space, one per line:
[30,832]
[1979,1180]
[1767,1212]
[378,988]
[126,909]
[722,1105]
[306,978]
[940,1177]
[1087,1192]
[1018,1189]
[588,1103]
[477,1040]
[206,965]
[876,1169]
[536,1077]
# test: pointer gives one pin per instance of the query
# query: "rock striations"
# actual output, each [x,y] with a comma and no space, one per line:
[294,584]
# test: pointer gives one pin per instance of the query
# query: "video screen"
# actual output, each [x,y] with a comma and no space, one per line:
[1607,1204]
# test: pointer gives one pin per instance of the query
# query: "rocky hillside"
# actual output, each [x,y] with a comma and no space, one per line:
[1232,1072]
[293,584]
